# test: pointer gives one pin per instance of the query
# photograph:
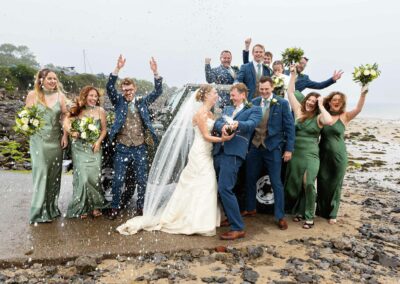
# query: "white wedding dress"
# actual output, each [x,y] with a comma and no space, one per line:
[193,207]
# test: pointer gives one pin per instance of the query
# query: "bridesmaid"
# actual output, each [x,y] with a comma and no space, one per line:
[87,197]
[46,146]
[303,168]
[333,155]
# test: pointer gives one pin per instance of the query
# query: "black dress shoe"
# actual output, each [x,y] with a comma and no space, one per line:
[113,213]
[139,212]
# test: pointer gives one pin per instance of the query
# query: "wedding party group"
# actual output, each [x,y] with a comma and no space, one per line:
[266,124]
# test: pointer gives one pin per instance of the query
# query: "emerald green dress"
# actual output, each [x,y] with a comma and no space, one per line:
[46,156]
[87,194]
[333,156]
[300,199]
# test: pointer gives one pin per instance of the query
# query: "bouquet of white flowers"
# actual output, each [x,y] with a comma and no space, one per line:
[87,129]
[366,73]
[29,120]
[279,85]
[292,55]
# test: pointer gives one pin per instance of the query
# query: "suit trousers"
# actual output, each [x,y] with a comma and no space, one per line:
[227,168]
[125,157]
[272,161]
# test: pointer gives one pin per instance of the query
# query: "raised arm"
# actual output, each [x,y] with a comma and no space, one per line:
[360,104]
[324,118]
[210,75]
[150,98]
[111,90]
[294,103]
[324,84]
[246,50]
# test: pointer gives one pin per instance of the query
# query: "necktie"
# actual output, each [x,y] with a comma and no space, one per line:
[258,71]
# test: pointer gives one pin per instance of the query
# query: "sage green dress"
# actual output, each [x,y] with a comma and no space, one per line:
[87,193]
[46,156]
[300,198]
[333,157]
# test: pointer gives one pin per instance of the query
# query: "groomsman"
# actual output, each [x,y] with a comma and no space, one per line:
[229,156]
[224,74]
[267,56]
[132,121]
[273,137]
[250,73]
[303,81]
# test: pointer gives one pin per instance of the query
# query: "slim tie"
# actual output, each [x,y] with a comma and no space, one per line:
[258,71]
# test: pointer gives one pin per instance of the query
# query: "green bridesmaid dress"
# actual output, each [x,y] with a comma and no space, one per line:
[300,199]
[333,156]
[46,156]
[87,194]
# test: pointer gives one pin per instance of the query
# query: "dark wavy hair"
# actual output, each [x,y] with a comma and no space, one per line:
[306,114]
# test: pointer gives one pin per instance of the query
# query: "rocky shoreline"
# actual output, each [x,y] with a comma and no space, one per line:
[363,247]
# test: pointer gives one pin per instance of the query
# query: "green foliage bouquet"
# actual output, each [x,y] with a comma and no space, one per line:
[279,85]
[365,74]
[292,55]
[87,129]
[29,120]
[110,118]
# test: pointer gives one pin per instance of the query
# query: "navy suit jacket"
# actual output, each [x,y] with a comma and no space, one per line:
[219,75]
[248,119]
[303,82]
[247,75]
[281,131]
[121,106]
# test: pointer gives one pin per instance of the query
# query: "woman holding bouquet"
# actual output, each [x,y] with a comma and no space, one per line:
[302,169]
[333,154]
[87,126]
[46,146]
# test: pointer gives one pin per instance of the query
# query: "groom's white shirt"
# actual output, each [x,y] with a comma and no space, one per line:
[237,109]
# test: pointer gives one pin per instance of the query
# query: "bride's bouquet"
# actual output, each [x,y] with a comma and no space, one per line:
[365,74]
[292,55]
[28,121]
[279,85]
[86,128]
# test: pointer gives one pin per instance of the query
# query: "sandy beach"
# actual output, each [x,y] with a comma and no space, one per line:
[364,245]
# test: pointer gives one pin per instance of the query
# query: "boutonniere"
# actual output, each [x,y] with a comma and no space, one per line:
[247,104]
[274,102]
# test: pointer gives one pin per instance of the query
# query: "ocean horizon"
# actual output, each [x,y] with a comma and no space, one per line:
[379,110]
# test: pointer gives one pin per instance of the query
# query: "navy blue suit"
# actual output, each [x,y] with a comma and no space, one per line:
[303,82]
[221,75]
[134,157]
[280,137]
[229,156]
[247,75]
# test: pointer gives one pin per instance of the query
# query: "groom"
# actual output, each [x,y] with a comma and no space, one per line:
[229,155]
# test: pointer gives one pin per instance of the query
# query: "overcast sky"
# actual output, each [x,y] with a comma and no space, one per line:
[181,33]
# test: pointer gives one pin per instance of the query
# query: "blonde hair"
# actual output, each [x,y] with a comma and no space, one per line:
[40,77]
[202,92]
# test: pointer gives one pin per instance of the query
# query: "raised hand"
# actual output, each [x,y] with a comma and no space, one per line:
[207,60]
[364,90]
[247,43]
[320,100]
[337,75]
[121,62]
[153,66]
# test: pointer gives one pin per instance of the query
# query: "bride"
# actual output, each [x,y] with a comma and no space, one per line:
[188,206]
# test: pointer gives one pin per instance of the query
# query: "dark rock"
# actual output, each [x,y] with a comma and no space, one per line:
[160,273]
[140,278]
[395,210]
[255,251]
[250,276]
[342,243]
[157,258]
[85,264]
[221,280]
[386,260]
[211,279]
[304,278]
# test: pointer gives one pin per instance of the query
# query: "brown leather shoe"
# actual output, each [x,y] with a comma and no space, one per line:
[225,223]
[248,213]
[282,224]
[232,235]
